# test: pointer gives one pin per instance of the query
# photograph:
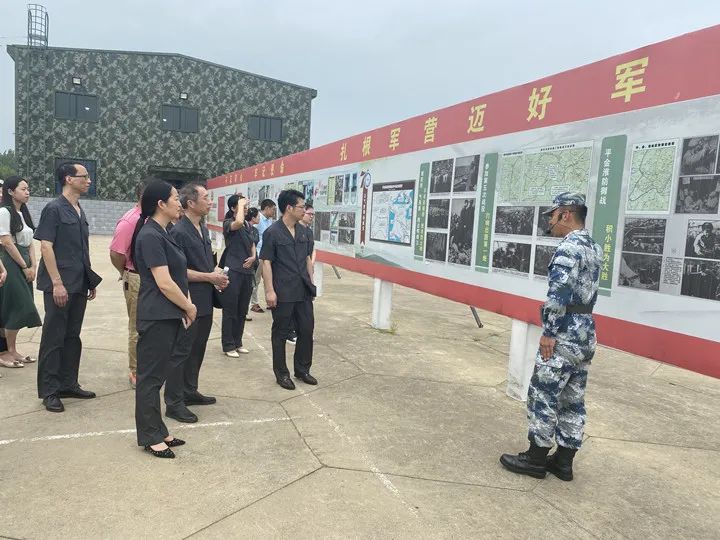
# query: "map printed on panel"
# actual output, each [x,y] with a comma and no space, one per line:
[392,212]
[536,176]
[651,177]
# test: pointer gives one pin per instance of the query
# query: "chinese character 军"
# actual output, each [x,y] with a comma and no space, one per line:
[343,152]
[629,80]
[539,99]
[430,127]
[394,138]
[366,145]
[476,118]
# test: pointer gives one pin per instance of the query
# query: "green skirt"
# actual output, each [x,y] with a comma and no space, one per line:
[17,305]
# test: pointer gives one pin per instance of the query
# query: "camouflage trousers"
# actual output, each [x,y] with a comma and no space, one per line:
[556,402]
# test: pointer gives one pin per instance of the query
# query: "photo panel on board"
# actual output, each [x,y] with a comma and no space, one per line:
[465,176]
[698,195]
[511,256]
[701,279]
[436,246]
[640,271]
[514,220]
[703,239]
[543,256]
[644,235]
[441,176]
[699,155]
[438,213]
[462,221]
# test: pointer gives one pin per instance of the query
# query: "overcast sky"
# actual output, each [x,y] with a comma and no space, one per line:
[372,62]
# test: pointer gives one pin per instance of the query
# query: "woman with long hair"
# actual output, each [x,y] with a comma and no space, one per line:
[239,257]
[164,311]
[17,306]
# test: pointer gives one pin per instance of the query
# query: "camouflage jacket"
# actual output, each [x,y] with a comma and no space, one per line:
[573,277]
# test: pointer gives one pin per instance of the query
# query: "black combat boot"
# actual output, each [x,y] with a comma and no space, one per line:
[531,462]
[560,463]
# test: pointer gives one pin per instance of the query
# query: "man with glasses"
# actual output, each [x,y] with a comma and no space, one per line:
[556,397]
[289,290]
[68,282]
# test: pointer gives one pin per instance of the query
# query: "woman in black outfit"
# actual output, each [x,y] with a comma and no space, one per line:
[239,257]
[164,311]
[252,218]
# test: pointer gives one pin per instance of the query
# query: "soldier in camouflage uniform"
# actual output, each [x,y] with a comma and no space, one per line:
[556,398]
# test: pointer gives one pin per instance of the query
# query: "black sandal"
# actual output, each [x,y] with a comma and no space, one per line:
[175,442]
[166,453]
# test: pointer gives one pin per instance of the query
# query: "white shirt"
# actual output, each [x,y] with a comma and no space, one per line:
[25,237]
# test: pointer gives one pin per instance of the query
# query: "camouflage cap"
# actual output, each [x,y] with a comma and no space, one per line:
[567,198]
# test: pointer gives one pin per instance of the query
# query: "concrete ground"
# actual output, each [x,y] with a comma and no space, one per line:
[400,439]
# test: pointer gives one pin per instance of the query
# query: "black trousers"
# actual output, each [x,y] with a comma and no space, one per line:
[157,341]
[60,345]
[300,315]
[187,357]
[235,300]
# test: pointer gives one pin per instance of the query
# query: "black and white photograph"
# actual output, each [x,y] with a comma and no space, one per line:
[441,176]
[701,279]
[346,219]
[346,236]
[321,223]
[543,255]
[307,189]
[436,246]
[644,235]
[543,222]
[466,173]
[462,221]
[511,256]
[438,213]
[514,220]
[354,189]
[703,239]
[339,186]
[640,271]
[699,155]
[698,195]
[347,186]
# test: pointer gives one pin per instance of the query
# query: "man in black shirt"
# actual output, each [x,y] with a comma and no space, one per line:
[68,282]
[289,289]
[192,237]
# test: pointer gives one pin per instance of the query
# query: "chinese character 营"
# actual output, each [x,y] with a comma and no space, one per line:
[430,127]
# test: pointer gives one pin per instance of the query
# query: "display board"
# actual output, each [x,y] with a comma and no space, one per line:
[451,202]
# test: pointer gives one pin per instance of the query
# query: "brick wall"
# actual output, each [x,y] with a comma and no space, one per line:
[102,216]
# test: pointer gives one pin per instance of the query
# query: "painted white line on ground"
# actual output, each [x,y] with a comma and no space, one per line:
[66,436]
[341,433]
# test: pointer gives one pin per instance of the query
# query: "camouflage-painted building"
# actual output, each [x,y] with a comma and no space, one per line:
[129,114]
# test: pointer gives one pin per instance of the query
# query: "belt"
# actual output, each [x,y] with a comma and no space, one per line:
[577,308]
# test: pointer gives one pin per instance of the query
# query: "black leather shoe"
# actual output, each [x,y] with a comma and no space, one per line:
[167,453]
[306,378]
[531,463]
[53,404]
[182,414]
[77,393]
[198,399]
[560,463]
[285,382]
[175,442]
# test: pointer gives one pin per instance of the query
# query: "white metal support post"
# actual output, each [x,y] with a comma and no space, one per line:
[382,304]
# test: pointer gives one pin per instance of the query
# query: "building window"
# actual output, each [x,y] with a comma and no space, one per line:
[89,164]
[176,118]
[264,128]
[80,107]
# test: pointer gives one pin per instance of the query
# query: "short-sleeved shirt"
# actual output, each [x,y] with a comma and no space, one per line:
[198,251]
[23,238]
[288,256]
[155,248]
[69,233]
[123,235]
[261,227]
[238,245]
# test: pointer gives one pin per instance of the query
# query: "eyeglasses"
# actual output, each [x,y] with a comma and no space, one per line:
[86,176]
[301,207]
